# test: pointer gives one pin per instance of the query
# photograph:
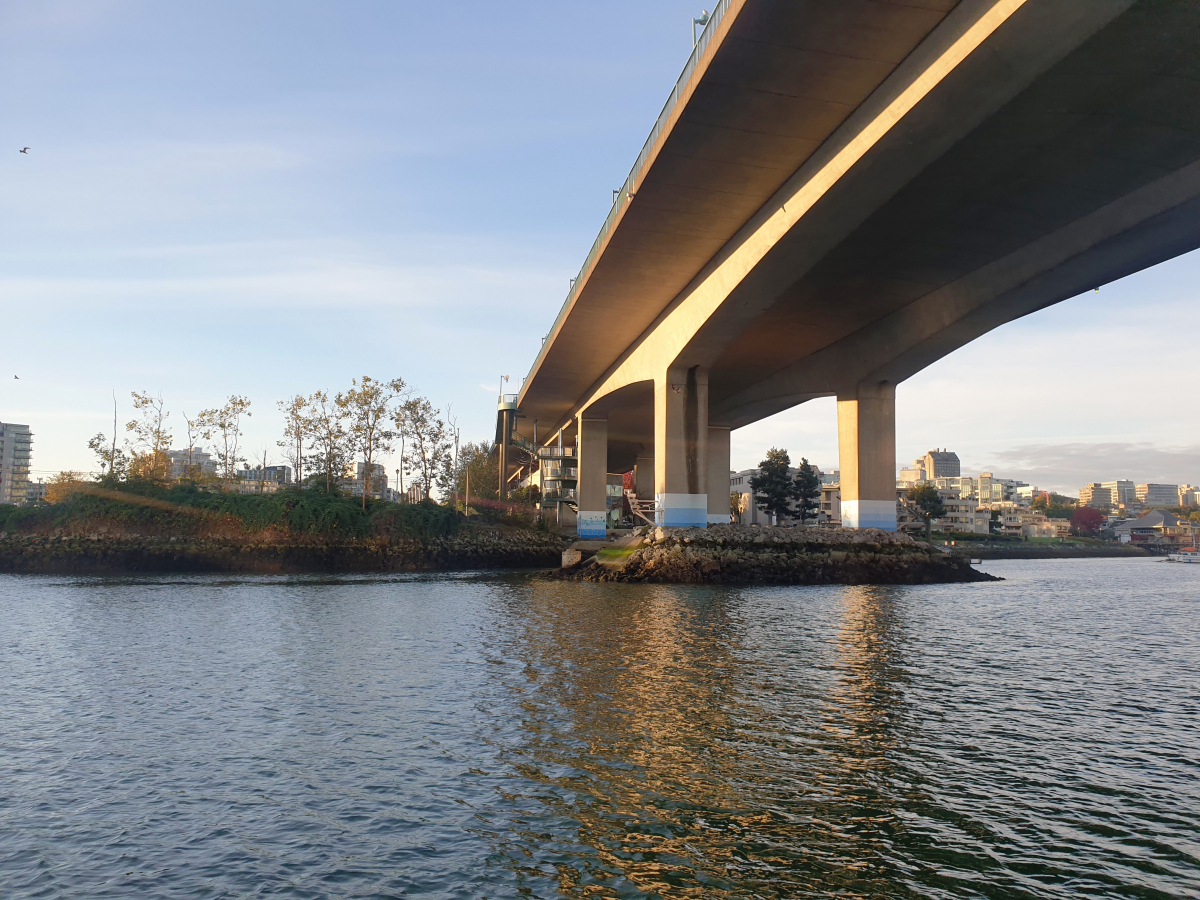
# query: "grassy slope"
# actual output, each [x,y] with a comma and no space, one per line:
[185,511]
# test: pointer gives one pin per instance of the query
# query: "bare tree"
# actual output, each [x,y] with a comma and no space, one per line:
[263,459]
[225,424]
[368,407]
[295,433]
[195,428]
[451,474]
[152,437]
[329,441]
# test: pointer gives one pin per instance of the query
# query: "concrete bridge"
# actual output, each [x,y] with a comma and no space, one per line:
[841,192]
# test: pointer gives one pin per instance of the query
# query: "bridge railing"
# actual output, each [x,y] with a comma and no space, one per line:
[628,189]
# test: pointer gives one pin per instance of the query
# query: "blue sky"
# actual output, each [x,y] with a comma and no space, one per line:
[269,198]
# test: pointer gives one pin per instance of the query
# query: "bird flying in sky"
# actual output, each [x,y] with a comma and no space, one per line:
[26,150]
[17,377]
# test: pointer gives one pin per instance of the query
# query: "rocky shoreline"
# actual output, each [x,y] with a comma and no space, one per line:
[1014,550]
[475,548]
[736,554]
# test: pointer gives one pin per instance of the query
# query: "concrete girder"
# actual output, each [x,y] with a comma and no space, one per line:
[1148,226]
[882,145]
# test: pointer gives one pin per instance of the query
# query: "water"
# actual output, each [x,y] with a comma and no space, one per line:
[475,737]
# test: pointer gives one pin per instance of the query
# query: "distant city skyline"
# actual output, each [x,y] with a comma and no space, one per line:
[205,211]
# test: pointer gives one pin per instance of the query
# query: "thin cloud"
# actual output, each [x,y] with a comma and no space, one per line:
[1065,467]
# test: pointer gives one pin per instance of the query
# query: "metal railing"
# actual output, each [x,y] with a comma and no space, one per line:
[628,188]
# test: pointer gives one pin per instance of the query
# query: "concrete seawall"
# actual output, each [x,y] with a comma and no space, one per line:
[733,554]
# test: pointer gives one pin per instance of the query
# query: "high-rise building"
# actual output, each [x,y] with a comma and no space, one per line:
[1095,495]
[1121,492]
[1158,494]
[16,447]
[941,464]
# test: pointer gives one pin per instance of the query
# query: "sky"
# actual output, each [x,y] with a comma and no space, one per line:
[271,198]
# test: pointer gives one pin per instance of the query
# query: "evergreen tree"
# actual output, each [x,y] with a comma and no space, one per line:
[927,502]
[773,488]
[807,492]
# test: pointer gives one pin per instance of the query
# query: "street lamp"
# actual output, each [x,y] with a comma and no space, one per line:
[700,20]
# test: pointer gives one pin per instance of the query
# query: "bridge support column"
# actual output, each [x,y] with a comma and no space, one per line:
[592,449]
[718,475]
[867,451]
[681,447]
[643,478]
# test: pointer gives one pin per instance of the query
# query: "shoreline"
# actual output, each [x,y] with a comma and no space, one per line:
[73,555]
[739,554]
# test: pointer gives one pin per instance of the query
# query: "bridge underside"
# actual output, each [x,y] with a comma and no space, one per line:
[994,158]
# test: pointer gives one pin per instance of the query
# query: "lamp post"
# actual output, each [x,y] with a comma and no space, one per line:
[700,20]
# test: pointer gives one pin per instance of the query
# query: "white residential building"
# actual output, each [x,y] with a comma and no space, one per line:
[750,513]
[1122,493]
[1158,494]
[194,460]
[16,448]
[379,481]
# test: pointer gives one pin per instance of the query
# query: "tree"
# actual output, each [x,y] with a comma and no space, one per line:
[807,492]
[226,425]
[1087,521]
[152,437]
[295,433]
[62,486]
[429,440]
[263,460]
[927,502]
[114,465]
[450,471]
[772,487]
[736,506]
[476,465]
[330,445]
[195,428]
[367,408]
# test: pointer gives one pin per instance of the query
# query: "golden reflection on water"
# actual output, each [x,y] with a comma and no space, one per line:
[696,757]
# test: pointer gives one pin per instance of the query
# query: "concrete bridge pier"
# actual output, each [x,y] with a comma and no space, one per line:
[867,456]
[718,475]
[643,478]
[681,447]
[592,449]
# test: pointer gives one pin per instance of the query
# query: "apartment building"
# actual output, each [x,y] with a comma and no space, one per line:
[1122,493]
[942,464]
[749,512]
[16,449]
[1158,494]
[1095,495]
[354,486]
[190,462]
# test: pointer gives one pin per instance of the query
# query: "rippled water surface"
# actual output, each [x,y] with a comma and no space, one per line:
[482,737]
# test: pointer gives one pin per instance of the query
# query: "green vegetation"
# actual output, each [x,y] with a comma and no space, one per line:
[772,487]
[807,491]
[186,509]
[1055,506]
[925,500]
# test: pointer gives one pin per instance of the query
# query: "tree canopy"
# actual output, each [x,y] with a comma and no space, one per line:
[807,491]
[925,500]
[773,487]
